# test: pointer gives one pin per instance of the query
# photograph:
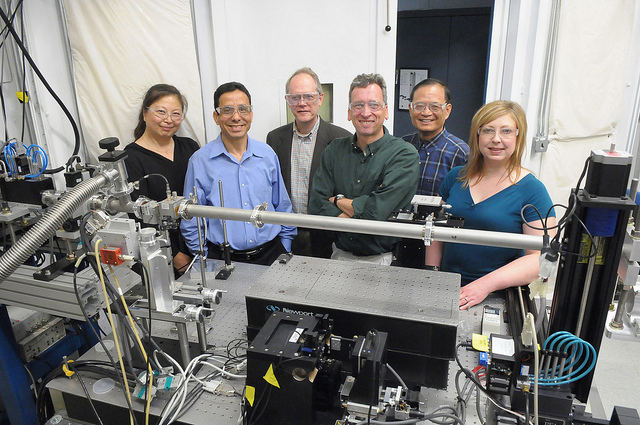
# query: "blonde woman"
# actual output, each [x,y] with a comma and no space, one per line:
[490,192]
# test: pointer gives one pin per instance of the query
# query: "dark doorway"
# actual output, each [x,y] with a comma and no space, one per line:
[453,44]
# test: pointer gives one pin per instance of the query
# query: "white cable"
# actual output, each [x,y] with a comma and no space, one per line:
[193,260]
[516,414]
[183,394]
[536,363]
[224,372]
[392,370]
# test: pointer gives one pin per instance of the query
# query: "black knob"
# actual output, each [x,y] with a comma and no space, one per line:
[109,143]
[387,28]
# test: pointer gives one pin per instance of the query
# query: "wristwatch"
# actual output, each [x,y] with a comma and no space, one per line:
[336,198]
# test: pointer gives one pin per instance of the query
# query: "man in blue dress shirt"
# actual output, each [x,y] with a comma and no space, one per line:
[250,175]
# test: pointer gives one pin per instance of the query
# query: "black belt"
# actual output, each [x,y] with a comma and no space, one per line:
[245,254]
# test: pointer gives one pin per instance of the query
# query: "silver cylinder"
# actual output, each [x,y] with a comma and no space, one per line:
[372,227]
[48,224]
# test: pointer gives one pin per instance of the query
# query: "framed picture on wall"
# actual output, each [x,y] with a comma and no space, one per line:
[326,109]
[407,81]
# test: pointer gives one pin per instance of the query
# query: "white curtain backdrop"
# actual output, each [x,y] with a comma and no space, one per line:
[120,48]
[589,82]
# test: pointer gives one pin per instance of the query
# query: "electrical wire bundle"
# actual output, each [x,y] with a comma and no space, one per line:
[37,158]
[223,365]
[72,369]
[471,376]
[565,359]
[464,393]
[9,26]
[227,367]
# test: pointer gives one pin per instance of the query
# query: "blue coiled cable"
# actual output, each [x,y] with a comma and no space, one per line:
[37,150]
[9,157]
[580,353]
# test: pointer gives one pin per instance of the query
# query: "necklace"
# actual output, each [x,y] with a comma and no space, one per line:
[155,147]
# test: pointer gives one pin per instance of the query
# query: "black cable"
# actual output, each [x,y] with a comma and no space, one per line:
[2,104]
[86,392]
[147,283]
[11,29]
[104,347]
[24,76]
[53,170]
[471,377]
[111,291]
[374,383]
[156,175]
[584,171]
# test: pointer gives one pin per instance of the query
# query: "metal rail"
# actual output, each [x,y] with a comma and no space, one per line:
[426,232]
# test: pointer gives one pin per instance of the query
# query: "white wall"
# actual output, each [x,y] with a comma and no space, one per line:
[595,79]
[46,43]
[261,43]
[255,42]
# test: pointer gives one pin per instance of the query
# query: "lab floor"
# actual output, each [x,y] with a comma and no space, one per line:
[616,379]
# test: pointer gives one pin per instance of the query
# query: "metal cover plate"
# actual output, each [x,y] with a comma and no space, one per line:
[413,294]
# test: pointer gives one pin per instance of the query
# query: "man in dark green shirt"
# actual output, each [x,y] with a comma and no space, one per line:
[367,176]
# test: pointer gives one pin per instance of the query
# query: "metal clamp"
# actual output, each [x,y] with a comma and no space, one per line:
[193,313]
[111,175]
[212,296]
[255,215]
[427,230]
[182,208]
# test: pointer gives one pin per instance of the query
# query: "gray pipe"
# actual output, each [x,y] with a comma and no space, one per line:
[371,227]
[48,224]
[545,94]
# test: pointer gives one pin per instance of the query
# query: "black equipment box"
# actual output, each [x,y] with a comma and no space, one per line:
[417,308]
[25,191]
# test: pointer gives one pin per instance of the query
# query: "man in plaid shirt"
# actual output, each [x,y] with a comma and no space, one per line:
[439,150]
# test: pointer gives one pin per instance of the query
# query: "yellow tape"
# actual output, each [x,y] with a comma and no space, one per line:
[66,369]
[270,377]
[250,394]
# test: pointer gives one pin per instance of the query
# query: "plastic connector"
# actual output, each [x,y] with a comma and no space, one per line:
[211,386]
[547,265]
[527,331]
[241,366]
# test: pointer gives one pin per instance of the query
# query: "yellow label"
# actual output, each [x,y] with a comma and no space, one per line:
[585,248]
[250,394]
[270,377]
[602,249]
[480,342]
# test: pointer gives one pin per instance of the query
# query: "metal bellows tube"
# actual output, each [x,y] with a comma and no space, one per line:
[48,224]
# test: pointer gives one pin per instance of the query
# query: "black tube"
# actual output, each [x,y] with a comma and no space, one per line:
[76,133]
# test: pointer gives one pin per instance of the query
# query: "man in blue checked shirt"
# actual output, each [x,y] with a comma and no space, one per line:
[439,150]
[250,175]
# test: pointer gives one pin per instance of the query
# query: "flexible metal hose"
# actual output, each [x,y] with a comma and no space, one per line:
[48,224]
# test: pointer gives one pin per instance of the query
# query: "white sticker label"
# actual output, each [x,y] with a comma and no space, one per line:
[505,347]
[295,336]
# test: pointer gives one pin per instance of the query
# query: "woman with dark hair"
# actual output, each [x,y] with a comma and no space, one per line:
[157,150]
[490,192]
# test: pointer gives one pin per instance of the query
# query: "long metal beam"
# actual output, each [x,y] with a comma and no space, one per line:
[371,227]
